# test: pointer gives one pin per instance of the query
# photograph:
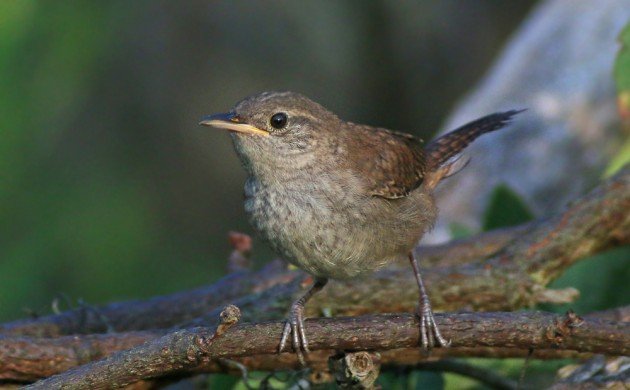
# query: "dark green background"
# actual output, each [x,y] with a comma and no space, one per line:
[108,188]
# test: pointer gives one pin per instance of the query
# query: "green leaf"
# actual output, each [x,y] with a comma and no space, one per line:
[601,279]
[622,78]
[622,66]
[620,160]
[505,208]
[221,381]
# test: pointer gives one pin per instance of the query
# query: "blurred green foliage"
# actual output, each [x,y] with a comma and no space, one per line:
[602,281]
[108,190]
[622,64]
[622,79]
[458,230]
[505,208]
[411,380]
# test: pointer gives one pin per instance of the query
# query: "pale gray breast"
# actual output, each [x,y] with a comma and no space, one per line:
[301,221]
[326,230]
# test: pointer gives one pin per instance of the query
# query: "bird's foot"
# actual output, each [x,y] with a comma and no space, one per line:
[295,327]
[430,335]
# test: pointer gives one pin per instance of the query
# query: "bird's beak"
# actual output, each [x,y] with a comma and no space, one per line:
[232,122]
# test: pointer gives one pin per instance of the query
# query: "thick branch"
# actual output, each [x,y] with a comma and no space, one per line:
[191,349]
[27,359]
[514,277]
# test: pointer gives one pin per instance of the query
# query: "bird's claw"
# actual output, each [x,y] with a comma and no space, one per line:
[295,327]
[429,331]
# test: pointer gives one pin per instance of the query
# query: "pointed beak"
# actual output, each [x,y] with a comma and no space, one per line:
[231,121]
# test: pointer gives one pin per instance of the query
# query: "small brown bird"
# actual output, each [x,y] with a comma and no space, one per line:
[339,199]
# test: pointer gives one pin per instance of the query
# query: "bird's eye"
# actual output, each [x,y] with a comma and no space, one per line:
[279,120]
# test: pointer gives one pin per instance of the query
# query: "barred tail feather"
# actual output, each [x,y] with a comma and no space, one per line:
[444,148]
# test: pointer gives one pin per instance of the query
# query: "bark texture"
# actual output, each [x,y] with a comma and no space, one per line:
[189,350]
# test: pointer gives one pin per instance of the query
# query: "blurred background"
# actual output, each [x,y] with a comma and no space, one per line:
[109,189]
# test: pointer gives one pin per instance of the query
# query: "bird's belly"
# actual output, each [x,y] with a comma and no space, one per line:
[327,239]
[303,229]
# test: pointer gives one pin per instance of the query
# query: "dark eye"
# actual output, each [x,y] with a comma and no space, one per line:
[279,120]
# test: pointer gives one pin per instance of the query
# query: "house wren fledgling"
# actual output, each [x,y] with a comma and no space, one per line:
[339,199]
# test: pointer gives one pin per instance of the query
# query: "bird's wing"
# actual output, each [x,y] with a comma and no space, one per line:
[391,164]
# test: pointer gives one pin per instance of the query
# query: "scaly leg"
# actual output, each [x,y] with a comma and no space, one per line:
[428,329]
[295,323]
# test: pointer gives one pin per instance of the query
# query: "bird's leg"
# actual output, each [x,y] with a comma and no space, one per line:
[295,323]
[429,331]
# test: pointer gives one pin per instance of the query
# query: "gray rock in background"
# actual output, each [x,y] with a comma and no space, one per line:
[558,65]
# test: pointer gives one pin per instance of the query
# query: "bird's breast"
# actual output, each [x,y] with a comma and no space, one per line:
[308,224]
[326,229]
[291,214]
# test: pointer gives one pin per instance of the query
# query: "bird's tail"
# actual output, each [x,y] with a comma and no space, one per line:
[442,153]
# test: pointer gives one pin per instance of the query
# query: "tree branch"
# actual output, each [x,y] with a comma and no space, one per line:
[28,359]
[148,359]
[189,350]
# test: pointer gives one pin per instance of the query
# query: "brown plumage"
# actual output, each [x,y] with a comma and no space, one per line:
[396,165]
[339,199]
[400,162]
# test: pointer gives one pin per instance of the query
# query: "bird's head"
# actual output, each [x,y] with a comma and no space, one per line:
[276,130]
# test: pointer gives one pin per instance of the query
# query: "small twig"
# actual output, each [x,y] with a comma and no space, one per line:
[87,308]
[232,364]
[521,378]
[55,303]
[228,317]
